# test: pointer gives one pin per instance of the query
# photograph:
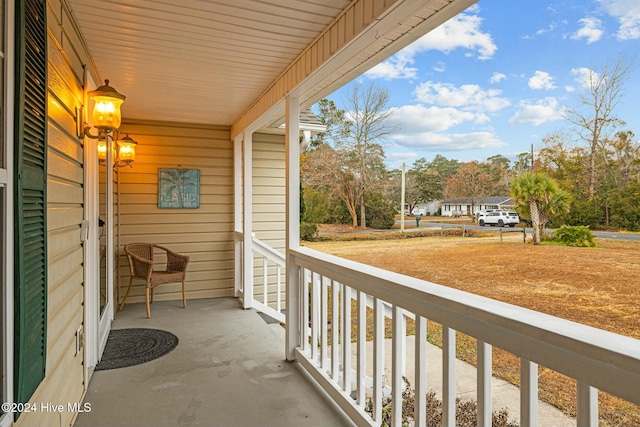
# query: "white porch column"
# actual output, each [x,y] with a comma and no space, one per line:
[237,216]
[292,150]
[247,255]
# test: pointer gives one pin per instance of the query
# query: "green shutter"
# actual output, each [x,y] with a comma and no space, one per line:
[30,157]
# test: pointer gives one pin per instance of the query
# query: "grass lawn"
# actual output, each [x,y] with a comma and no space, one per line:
[599,287]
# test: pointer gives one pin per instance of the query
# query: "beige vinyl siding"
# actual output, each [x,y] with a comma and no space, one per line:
[204,234]
[64,380]
[269,216]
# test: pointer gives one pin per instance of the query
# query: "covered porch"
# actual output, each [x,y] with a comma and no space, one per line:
[327,303]
[207,82]
[227,370]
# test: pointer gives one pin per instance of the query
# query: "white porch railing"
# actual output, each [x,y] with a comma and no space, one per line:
[327,285]
[271,302]
[267,293]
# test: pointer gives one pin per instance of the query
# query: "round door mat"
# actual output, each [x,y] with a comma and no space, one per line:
[128,347]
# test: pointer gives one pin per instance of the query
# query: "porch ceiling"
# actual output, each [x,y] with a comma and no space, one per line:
[193,60]
[228,62]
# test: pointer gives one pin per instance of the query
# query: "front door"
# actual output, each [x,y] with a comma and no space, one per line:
[99,254]
[106,248]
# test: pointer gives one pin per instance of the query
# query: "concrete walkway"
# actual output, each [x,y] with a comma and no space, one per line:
[503,394]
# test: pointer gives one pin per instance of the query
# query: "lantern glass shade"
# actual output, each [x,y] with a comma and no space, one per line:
[102,150]
[106,109]
[127,149]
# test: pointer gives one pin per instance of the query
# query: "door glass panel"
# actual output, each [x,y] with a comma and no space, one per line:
[102,227]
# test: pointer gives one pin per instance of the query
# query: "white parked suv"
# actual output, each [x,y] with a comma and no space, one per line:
[498,217]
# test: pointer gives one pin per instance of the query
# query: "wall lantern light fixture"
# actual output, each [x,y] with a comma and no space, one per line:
[125,155]
[106,118]
[106,110]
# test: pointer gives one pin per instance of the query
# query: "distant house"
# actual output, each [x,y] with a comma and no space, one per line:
[462,206]
[429,209]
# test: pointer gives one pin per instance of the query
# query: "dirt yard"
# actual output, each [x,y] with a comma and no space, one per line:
[599,287]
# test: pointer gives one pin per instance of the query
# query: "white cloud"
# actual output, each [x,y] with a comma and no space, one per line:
[461,32]
[628,14]
[591,30]
[440,67]
[401,156]
[543,111]
[396,67]
[541,80]
[584,76]
[449,142]
[413,119]
[469,97]
[497,77]
[549,29]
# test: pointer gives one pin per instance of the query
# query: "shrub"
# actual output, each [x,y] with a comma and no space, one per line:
[316,206]
[583,211]
[575,235]
[466,411]
[381,213]
[308,231]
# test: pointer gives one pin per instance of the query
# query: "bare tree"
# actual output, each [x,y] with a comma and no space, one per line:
[352,146]
[322,168]
[623,159]
[470,182]
[596,121]
[367,128]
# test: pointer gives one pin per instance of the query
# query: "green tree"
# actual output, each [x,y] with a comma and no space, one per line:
[625,207]
[432,176]
[538,196]
[335,121]
[498,167]
[522,163]
[566,163]
[318,206]
[445,168]
[382,211]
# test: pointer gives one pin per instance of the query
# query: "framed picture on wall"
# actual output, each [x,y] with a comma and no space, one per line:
[178,188]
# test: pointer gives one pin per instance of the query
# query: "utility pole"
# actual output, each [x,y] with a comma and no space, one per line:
[531,158]
[402,202]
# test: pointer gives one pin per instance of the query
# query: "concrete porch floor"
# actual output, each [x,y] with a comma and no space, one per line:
[228,370]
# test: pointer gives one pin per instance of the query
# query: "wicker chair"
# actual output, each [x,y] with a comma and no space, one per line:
[141,266]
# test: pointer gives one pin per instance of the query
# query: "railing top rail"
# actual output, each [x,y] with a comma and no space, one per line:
[267,251]
[605,360]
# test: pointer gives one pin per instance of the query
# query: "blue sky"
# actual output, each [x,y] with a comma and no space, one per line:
[496,78]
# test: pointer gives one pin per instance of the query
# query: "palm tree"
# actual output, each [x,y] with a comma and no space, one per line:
[538,196]
[558,204]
